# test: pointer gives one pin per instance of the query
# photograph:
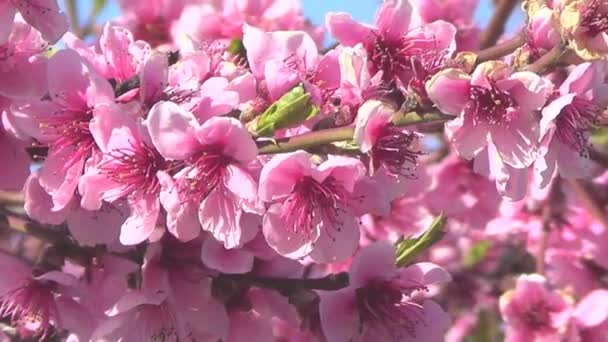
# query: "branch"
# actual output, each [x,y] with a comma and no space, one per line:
[496,27]
[588,201]
[71,7]
[331,282]
[547,60]
[502,49]
[327,136]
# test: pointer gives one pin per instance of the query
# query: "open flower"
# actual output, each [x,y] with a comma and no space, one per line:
[62,120]
[533,312]
[586,24]
[379,303]
[311,206]
[215,178]
[566,123]
[44,15]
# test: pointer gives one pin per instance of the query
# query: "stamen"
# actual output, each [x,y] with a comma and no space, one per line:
[575,121]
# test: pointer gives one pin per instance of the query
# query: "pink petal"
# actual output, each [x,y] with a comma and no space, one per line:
[45,16]
[579,80]
[571,164]
[372,117]
[592,310]
[170,126]
[288,243]
[552,110]
[220,215]
[15,272]
[133,299]
[39,205]
[230,135]
[249,326]
[91,228]
[345,30]
[241,183]
[517,144]
[340,315]
[182,218]
[449,90]
[530,91]
[7,17]
[468,138]
[336,243]
[141,222]
[215,256]
[13,176]
[345,170]
[393,17]
[425,273]
[282,172]
[154,78]
[59,182]
[376,261]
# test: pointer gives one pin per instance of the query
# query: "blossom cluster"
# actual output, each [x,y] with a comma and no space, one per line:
[207,171]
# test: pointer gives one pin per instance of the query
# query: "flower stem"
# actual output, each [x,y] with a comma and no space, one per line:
[496,27]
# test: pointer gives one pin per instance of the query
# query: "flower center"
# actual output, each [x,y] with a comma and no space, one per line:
[72,128]
[392,55]
[595,17]
[135,167]
[536,316]
[159,322]
[386,303]
[490,105]
[206,172]
[397,151]
[574,121]
[424,66]
[30,307]
[313,202]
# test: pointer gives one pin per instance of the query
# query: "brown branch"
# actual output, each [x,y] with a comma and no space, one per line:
[496,27]
[502,49]
[331,282]
[547,60]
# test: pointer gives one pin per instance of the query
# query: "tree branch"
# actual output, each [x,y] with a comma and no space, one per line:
[331,282]
[502,49]
[496,27]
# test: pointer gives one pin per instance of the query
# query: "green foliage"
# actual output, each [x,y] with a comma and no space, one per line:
[408,249]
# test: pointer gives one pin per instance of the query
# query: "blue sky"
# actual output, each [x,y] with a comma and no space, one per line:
[362,10]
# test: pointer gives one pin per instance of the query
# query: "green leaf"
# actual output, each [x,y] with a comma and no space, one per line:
[408,249]
[476,253]
[290,110]
[236,47]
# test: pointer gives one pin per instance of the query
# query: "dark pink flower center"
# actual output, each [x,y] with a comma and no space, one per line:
[135,167]
[312,202]
[386,303]
[424,66]
[30,307]
[490,105]
[207,171]
[574,121]
[72,129]
[392,55]
[536,316]
[396,150]
[595,17]
[158,322]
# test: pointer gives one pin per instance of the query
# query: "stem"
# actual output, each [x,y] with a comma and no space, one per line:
[547,60]
[501,49]
[588,201]
[331,282]
[544,240]
[496,27]
[11,198]
[327,136]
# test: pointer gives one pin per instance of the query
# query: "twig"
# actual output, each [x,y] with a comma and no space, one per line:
[326,136]
[71,7]
[331,282]
[502,49]
[588,201]
[547,60]
[496,27]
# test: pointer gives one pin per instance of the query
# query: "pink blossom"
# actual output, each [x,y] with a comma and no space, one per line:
[493,105]
[215,177]
[117,55]
[387,145]
[379,303]
[392,46]
[533,312]
[62,122]
[35,303]
[44,15]
[127,169]
[311,206]
[566,123]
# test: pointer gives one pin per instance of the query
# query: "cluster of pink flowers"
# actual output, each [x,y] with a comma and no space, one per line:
[207,171]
